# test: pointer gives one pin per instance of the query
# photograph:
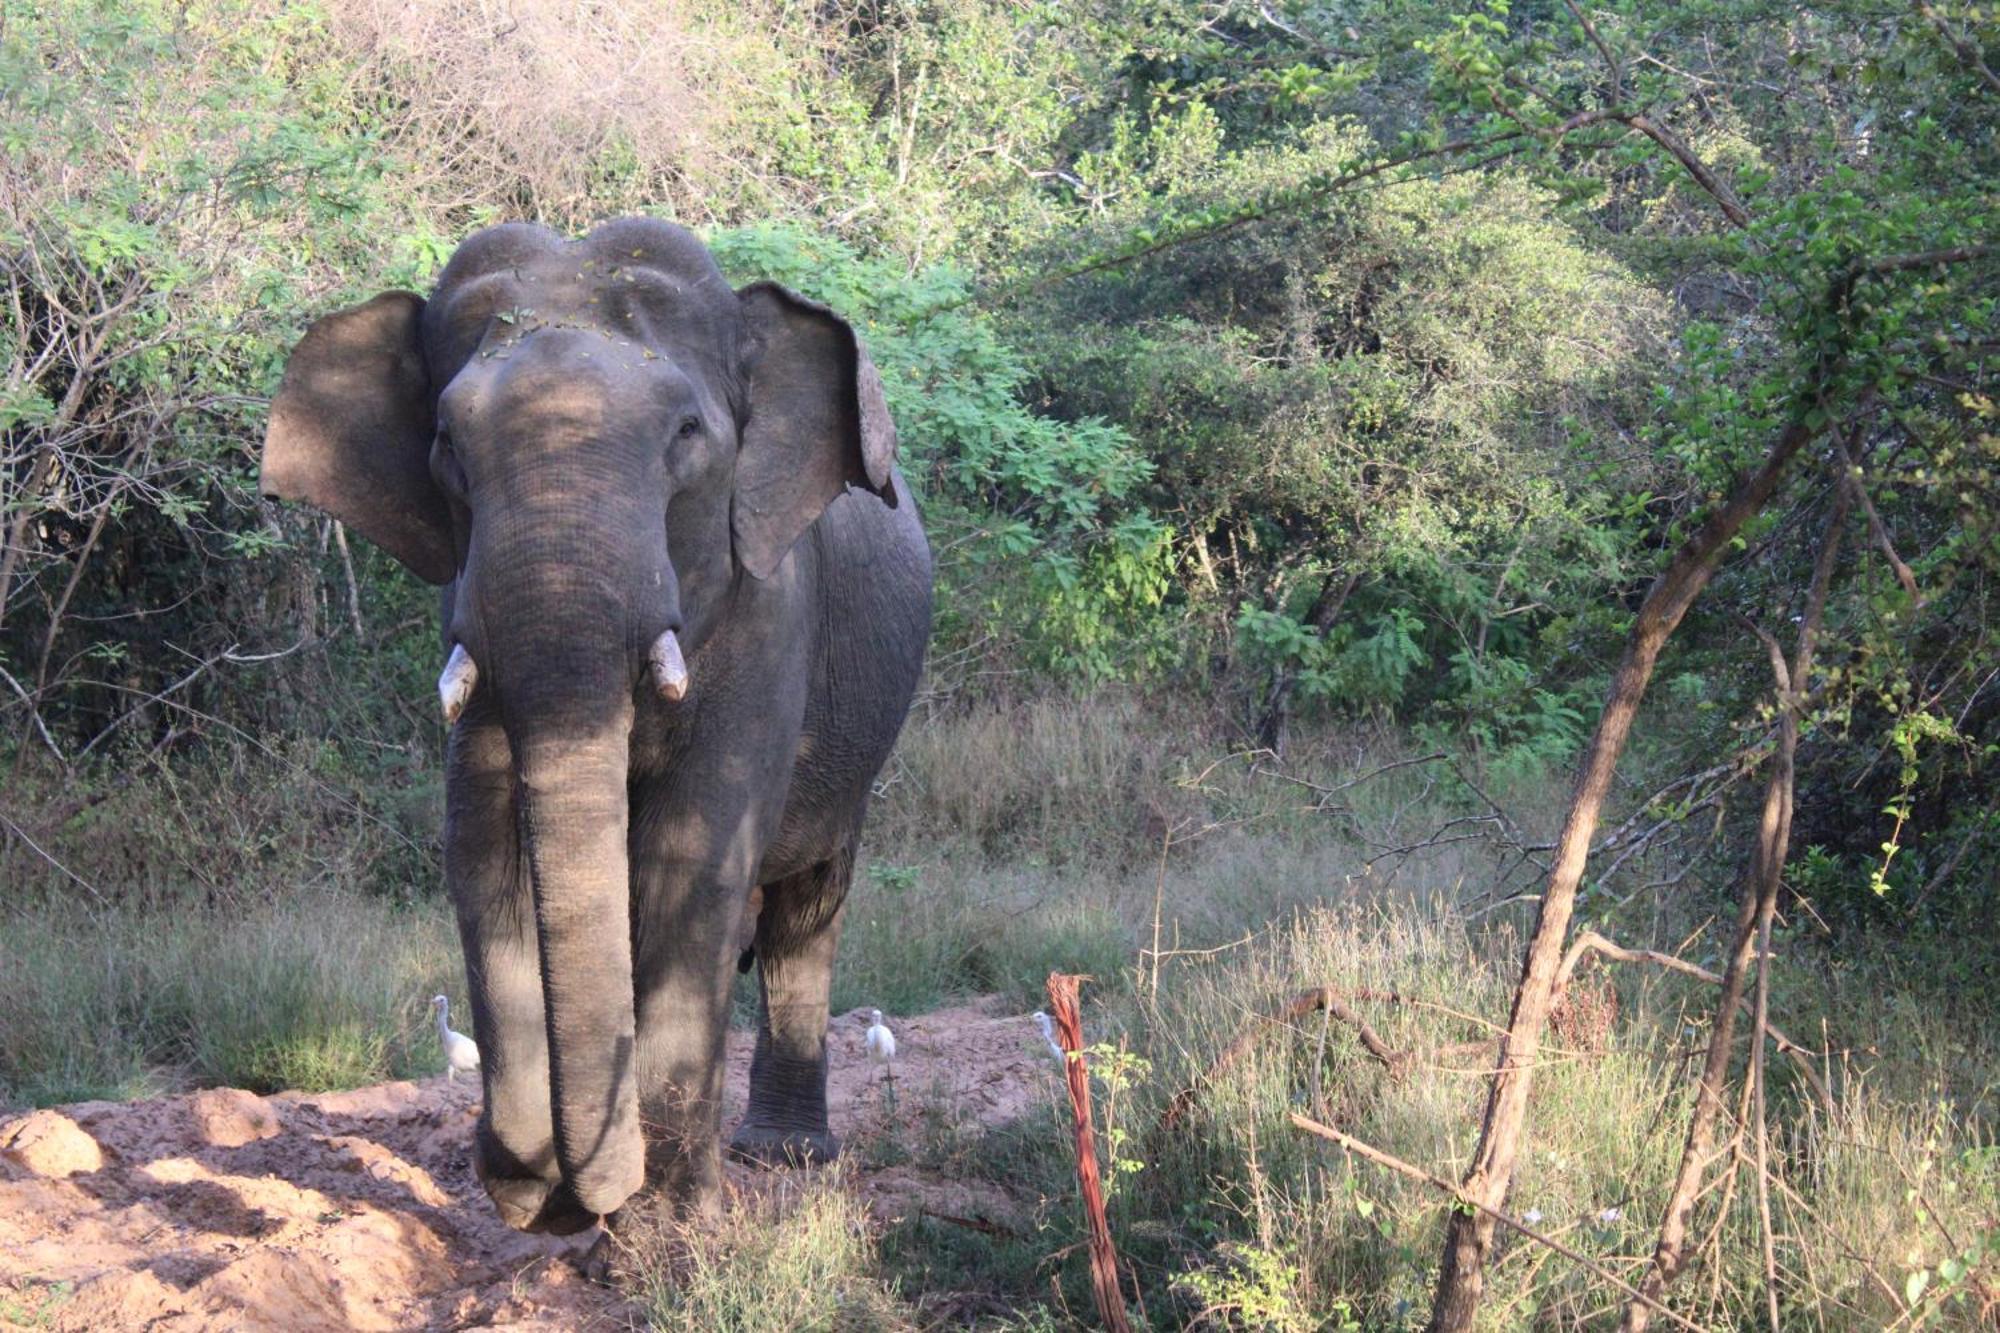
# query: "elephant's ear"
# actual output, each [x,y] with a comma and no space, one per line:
[817,424]
[351,432]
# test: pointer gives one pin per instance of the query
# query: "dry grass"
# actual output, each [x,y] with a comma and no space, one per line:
[801,1256]
[570,111]
[1237,1220]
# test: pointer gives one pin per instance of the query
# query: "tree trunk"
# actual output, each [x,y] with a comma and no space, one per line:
[1274,726]
[1469,1235]
[1760,900]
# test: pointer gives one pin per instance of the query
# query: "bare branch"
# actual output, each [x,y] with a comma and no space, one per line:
[1855,492]
[1725,198]
[1469,1235]
[1590,942]
[353,586]
[1612,64]
[35,716]
[1753,928]
[1312,1000]
[1326,792]
[1957,254]
[68,874]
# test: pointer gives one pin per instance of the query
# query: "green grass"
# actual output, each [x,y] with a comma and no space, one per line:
[969,928]
[35,1304]
[330,991]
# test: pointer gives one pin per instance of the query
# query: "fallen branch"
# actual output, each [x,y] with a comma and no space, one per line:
[1590,942]
[1464,1200]
[979,1224]
[1307,1002]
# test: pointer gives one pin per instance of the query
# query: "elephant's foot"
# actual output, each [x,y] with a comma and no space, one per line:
[526,1200]
[538,1206]
[649,1237]
[769,1148]
[519,1202]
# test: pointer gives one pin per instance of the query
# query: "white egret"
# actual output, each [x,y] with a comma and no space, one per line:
[1048,1027]
[881,1045]
[461,1053]
[881,1041]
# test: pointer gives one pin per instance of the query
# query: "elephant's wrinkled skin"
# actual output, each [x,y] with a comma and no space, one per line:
[589,444]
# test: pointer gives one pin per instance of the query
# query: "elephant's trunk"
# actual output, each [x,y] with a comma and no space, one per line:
[573,828]
[564,664]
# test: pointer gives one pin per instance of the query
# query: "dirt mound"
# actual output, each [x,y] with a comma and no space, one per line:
[359,1210]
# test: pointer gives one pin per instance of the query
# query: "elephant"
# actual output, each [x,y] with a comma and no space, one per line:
[685,602]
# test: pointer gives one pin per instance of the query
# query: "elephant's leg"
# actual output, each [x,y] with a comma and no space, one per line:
[514,1145]
[797,932]
[684,950]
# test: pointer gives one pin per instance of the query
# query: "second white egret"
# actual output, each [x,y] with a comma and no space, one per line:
[881,1045]
[461,1053]
[1048,1027]
[881,1041]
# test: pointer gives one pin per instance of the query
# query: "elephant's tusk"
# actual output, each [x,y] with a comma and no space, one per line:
[670,673]
[456,683]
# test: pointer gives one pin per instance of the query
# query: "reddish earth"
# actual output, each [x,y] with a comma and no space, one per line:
[359,1210]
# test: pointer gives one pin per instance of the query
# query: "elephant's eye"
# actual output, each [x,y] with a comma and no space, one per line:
[689,428]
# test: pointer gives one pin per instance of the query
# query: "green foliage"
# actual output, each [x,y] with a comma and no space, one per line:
[1379,390]
[1118,1073]
[1948,1287]
[1354,666]
[1042,540]
[1309,365]
[1252,1287]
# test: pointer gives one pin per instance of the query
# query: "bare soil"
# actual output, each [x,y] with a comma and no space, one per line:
[359,1210]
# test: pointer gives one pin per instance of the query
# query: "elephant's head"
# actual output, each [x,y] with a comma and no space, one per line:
[596,440]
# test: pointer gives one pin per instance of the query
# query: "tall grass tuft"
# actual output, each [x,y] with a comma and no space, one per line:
[801,1258]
